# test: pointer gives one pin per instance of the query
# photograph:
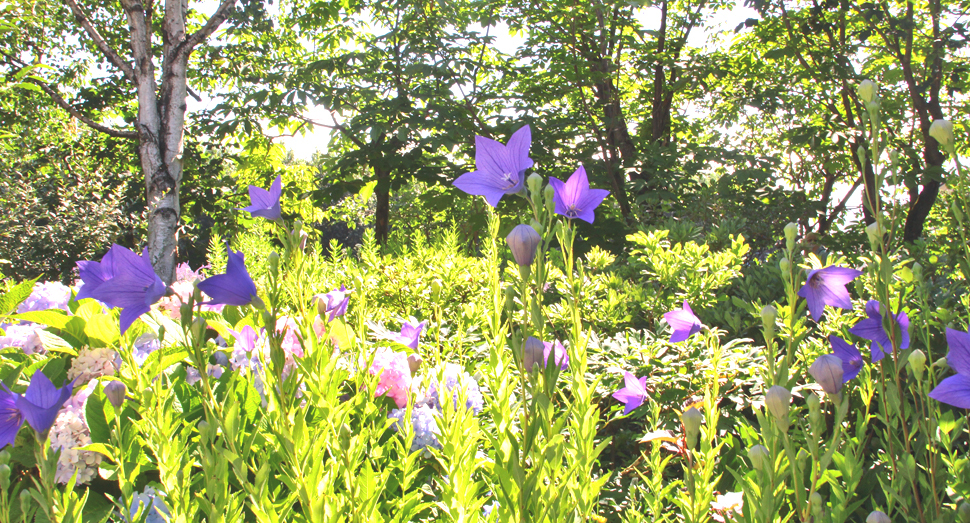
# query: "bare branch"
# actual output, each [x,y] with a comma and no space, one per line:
[110,131]
[206,30]
[100,42]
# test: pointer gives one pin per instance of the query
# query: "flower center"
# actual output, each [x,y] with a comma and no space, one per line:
[573,211]
[509,179]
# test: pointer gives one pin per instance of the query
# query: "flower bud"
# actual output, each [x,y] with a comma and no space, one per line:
[785,266]
[827,371]
[534,181]
[917,271]
[815,502]
[536,225]
[867,90]
[814,409]
[878,516]
[875,232]
[873,108]
[115,392]
[917,362]
[769,315]
[963,512]
[791,233]
[692,420]
[548,193]
[4,457]
[4,474]
[274,264]
[414,363]
[777,399]
[198,328]
[942,132]
[532,354]
[759,457]
[523,240]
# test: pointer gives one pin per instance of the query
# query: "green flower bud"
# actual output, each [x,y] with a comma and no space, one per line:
[963,512]
[769,315]
[274,264]
[940,363]
[878,516]
[815,502]
[759,457]
[867,90]
[942,132]
[777,399]
[917,362]
[24,498]
[534,181]
[814,409]
[876,233]
[785,266]
[536,225]
[692,420]
[4,457]
[917,271]
[791,233]
[198,328]
[4,475]
[873,108]
[548,194]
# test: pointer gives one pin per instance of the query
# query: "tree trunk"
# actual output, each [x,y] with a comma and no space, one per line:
[382,217]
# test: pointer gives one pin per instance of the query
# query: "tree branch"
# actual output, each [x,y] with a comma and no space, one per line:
[100,42]
[110,131]
[206,30]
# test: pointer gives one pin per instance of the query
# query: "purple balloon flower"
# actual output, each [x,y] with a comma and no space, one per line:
[955,390]
[574,198]
[873,330]
[500,168]
[850,356]
[333,303]
[633,393]
[10,417]
[235,287]
[827,287]
[410,334]
[266,204]
[122,279]
[537,352]
[683,322]
[41,401]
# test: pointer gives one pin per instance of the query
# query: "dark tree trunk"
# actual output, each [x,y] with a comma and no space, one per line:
[382,216]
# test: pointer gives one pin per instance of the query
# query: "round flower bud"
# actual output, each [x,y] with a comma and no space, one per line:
[548,193]
[692,420]
[769,315]
[414,363]
[827,371]
[867,90]
[814,408]
[274,264]
[777,399]
[115,392]
[917,362]
[4,457]
[534,181]
[791,233]
[536,225]
[942,132]
[878,516]
[4,474]
[815,502]
[873,107]
[875,232]
[784,265]
[532,354]
[963,512]
[759,457]
[523,240]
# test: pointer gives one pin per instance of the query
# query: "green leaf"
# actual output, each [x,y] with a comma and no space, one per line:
[56,343]
[52,318]
[102,331]
[16,296]
[97,420]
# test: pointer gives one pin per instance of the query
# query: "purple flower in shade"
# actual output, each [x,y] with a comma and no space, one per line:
[954,390]
[683,322]
[266,204]
[333,303]
[827,287]
[235,287]
[873,330]
[850,356]
[633,393]
[574,198]
[500,168]
[126,280]
[10,418]
[41,401]
[410,334]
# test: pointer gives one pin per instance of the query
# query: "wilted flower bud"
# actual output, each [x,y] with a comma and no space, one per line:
[791,233]
[917,362]
[777,399]
[759,457]
[942,131]
[827,371]
[532,354]
[414,363]
[878,516]
[692,420]
[815,502]
[963,512]
[867,90]
[115,392]
[523,240]
[534,181]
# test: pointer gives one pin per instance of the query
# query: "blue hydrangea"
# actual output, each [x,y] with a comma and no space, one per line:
[424,423]
[46,295]
[454,379]
[145,344]
[152,501]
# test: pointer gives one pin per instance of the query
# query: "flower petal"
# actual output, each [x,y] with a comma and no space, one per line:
[954,390]
[958,356]
[481,183]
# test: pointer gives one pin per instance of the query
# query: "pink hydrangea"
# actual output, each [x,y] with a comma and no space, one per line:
[183,287]
[395,375]
[70,431]
[93,363]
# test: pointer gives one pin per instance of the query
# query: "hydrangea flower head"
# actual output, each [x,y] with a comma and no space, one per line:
[152,502]
[93,363]
[23,336]
[145,344]
[850,356]
[41,402]
[827,287]
[872,329]
[266,204]
[633,392]
[500,168]
[235,287]
[70,431]
[395,375]
[45,296]
[454,380]
[954,390]
[425,426]
[683,322]
[574,199]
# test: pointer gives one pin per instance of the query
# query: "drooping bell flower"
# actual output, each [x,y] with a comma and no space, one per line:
[632,394]
[500,168]
[235,287]
[850,356]
[410,334]
[827,287]
[574,199]
[537,352]
[41,402]
[125,280]
[523,241]
[683,322]
[955,390]
[266,204]
[872,329]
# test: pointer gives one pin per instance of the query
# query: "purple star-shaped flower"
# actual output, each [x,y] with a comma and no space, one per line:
[410,334]
[41,401]
[574,198]
[633,393]
[683,322]
[955,390]
[266,204]
[500,168]
[850,356]
[123,279]
[333,303]
[10,418]
[235,287]
[873,330]
[827,287]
